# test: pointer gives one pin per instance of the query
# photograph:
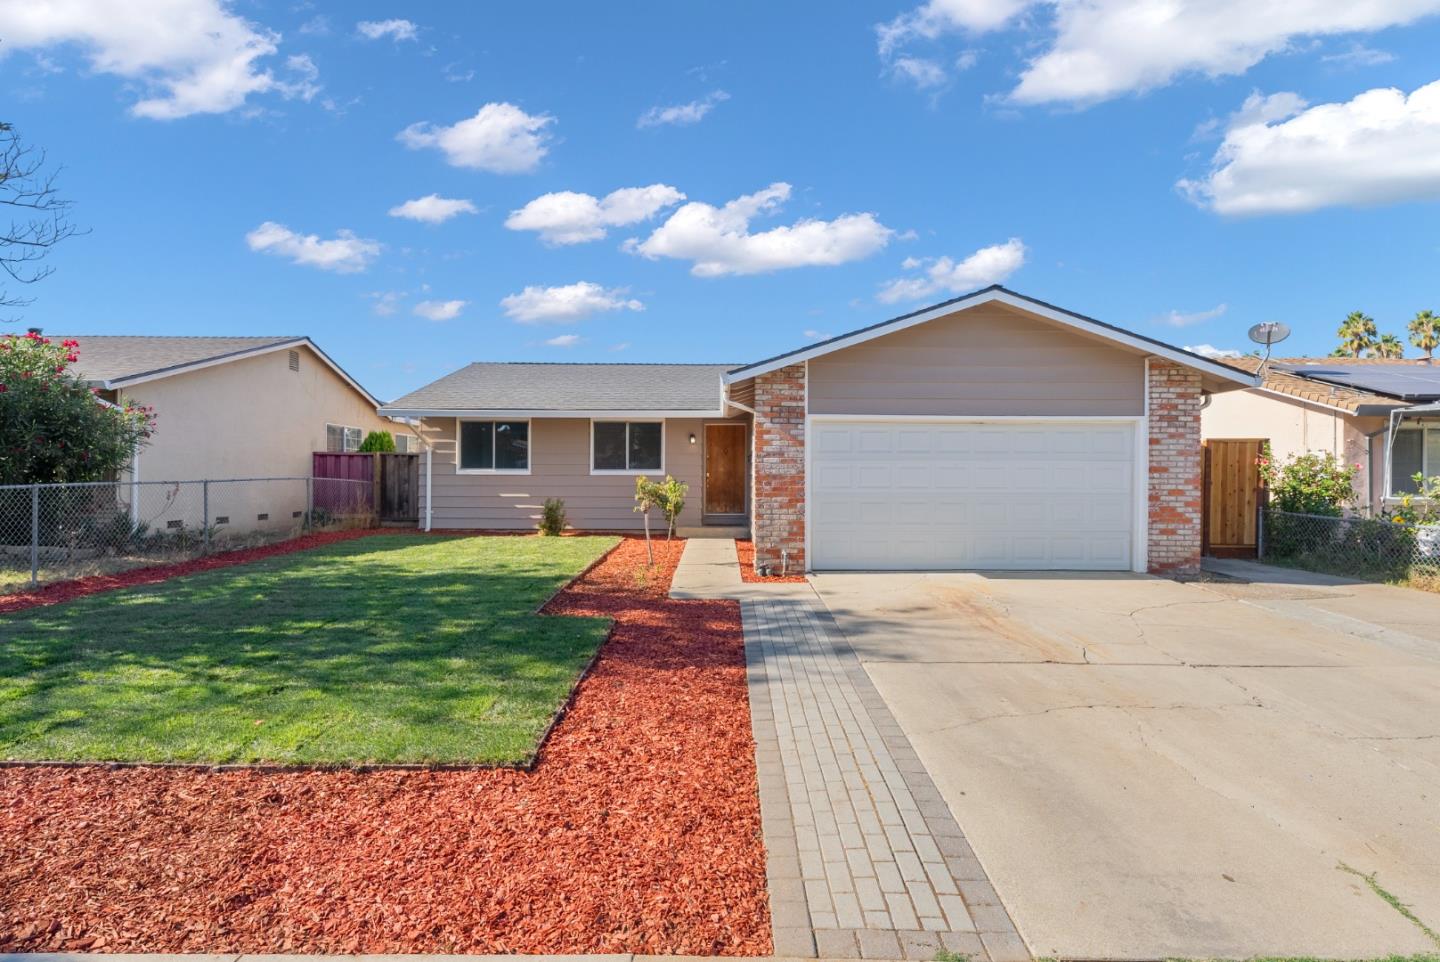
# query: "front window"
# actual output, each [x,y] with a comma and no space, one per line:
[342,439]
[495,447]
[1415,450]
[627,447]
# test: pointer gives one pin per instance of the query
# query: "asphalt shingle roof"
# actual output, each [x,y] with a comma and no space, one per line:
[105,357]
[517,386]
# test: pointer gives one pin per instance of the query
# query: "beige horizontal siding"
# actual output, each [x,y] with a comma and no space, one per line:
[988,360]
[559,468]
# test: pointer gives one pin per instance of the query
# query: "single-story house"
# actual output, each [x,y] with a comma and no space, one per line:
[992,431]
[1365,411]
[230,407]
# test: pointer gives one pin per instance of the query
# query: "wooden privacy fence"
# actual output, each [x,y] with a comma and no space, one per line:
[388,484]
[1233,493]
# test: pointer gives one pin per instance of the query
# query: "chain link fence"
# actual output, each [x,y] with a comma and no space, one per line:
[1377,549]
[52,532]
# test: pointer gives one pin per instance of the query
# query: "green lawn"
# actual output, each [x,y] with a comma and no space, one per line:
[393,648]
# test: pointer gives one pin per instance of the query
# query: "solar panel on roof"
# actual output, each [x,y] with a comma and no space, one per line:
[1411,382]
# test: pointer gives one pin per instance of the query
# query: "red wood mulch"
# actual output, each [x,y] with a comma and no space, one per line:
[639,831]
[746,551]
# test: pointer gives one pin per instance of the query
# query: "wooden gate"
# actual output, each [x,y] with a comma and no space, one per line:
[1232,495]
[399,487]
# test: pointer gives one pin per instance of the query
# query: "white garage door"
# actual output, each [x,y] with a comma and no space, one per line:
[936,495]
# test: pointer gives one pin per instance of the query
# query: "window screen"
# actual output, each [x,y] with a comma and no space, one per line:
[626,446]
[477,445]
[609,446]
[1407,458]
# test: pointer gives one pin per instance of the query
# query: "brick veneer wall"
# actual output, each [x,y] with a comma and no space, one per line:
[778,498]
[1175,468]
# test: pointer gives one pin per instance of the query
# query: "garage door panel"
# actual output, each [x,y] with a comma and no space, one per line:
[930,495]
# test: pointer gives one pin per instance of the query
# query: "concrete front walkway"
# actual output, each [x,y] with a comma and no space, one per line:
[864,856]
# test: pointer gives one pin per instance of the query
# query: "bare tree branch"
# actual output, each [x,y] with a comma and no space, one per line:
[39,216]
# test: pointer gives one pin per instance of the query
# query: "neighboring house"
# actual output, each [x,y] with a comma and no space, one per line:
[230,407]
[1359,409]
[990,431]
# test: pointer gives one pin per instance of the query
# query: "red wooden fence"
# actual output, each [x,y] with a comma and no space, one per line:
[344,483]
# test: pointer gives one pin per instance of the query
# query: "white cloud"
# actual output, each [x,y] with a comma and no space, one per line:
[345,253]
[925,74]
[815,335]
[304,81]
[1381,147]
[567,217]
[1099,49]
[187,56]
[691,113]
[386,302]
[433,209]
[718,239]
[570,302]
[501,138]
[622,346]
[564,340]
[394,29]
[439,310]
[943,275]
[1210,350]
[1179,319]
[1359,55]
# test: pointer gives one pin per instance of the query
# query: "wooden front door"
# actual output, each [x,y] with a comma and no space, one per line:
[725,468]
[1231,496]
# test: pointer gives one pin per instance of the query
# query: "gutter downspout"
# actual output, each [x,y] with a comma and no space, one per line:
[429,475]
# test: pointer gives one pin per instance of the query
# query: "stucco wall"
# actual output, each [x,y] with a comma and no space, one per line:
[984,360]
[252,418]
[559,468]
[1293,427]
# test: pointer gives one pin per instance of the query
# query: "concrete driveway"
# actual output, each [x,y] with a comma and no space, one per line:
[1150,769]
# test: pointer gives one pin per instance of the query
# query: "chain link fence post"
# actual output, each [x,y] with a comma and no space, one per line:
[34,535]
[309,503]
[205,516]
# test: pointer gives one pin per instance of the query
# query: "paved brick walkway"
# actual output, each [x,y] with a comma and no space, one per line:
[865,859]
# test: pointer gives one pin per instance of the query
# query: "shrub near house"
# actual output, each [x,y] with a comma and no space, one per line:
[52,426]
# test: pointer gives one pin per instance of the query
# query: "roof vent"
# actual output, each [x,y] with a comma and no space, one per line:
[294,360]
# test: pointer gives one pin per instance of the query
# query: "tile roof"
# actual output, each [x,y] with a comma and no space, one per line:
[105,357]
[519,386]
[1296,385]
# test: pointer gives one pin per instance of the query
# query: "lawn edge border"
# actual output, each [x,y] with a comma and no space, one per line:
[527,765]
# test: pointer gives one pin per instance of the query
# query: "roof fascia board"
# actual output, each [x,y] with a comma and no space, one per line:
[1000,295]
[532,413]
[130,380]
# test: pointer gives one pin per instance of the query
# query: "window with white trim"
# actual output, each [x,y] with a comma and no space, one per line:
[402,443]
[1415,450]
[627,447]
[493,447]
[342,438]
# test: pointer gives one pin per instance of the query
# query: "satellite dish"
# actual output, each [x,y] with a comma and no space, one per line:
[1269,333]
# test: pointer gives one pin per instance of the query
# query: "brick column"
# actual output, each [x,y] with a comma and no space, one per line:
[1175,469]
[778,498]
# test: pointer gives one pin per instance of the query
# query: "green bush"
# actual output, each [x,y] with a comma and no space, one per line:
[382,441]
[1309,483]
[552,517]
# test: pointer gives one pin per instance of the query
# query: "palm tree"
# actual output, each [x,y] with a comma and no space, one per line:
[1357,333]
[1389,346]
[1425,333]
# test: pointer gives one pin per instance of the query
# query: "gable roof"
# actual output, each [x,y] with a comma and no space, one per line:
[117,361]
[1291,382]
[560,390]
[995,293]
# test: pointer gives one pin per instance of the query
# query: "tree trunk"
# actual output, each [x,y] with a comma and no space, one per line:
[649,551]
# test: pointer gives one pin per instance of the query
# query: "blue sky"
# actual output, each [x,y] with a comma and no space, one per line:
[1182,169]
